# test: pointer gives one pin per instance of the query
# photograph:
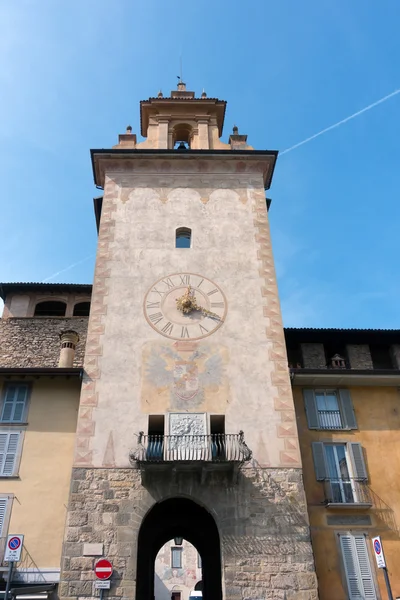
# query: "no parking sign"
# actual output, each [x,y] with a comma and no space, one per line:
[14,548]
[378,551]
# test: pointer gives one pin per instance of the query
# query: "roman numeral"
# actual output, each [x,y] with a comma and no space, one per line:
[185,333]
[212,292]
[203,329]
[199,284]
[185,279]
[153,304]
[168,282]
[156,318]
[167,328]
[157,292]
[217,305]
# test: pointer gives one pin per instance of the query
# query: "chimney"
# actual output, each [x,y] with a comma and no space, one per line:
[69,340]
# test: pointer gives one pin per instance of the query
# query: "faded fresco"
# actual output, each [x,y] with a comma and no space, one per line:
[184,376]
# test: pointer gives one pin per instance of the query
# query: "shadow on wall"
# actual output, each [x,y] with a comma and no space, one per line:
[161,592]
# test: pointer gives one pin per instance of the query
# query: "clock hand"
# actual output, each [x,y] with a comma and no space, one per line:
[188,303]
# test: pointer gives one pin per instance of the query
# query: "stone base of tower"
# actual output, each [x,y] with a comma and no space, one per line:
[261,520]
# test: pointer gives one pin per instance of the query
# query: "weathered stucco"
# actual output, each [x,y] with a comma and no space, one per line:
[225,208]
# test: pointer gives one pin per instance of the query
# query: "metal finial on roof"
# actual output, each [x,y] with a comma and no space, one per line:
[160,94]
[129,129]
[235,130]
[203,94]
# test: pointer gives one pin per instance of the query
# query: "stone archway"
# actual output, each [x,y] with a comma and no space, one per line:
[186,518]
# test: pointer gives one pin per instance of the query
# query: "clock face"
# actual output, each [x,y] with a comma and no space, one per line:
[204,314]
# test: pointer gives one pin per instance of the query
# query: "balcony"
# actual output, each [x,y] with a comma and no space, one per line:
[329,419]
[191,453]
[347,493]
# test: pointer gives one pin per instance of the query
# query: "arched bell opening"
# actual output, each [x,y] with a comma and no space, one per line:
[183,518]
[182,135]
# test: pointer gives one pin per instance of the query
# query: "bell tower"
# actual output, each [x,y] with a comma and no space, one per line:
[186,424]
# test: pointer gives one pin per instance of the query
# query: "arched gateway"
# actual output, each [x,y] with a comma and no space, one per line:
[186,518]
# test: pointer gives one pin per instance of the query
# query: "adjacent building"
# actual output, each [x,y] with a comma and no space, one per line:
[180,409]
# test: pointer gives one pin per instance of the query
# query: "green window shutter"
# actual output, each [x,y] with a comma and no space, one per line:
[3,508]
[319,460]
[14,403]
[357,459]
[347,409]
[8,452]
[311,409]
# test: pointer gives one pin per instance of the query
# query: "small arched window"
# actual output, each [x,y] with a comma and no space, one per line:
[183,237]
[81,309]
[50,308]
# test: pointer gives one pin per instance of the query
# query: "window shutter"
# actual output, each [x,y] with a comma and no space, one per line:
[3,508]
[347,409]
[311,409]
[351,567]
[319,460]
[14,403]
[365,567]
[357,459]
[357,567]
[8,452]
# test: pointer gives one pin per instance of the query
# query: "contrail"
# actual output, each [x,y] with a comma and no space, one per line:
[67,268]
[360,112]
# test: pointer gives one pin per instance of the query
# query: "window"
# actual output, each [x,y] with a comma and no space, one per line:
[9,445]
[343,469]
[155,444]
[81,309]
[3,512]
[183,237]
[14,403]
[329,409]
[50,308]
[176,558]
[357,567]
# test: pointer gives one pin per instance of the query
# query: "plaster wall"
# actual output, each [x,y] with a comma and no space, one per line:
[39,493]
[224,205]
[378,418]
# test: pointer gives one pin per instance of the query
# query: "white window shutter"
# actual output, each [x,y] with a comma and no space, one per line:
[357,567]
[311,409]
[8,452]
[365,567]
[3,508]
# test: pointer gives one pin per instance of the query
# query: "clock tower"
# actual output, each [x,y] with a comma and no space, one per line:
[186,423]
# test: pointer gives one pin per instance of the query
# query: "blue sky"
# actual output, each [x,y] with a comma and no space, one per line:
[71,78]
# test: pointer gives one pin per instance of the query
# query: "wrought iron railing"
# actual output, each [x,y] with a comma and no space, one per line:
[330,419]
[216,448]
[347,491]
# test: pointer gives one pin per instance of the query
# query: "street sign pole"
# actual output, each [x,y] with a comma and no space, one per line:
[389,589]
[381,562]
[9,577]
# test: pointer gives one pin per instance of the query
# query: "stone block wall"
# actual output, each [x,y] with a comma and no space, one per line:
[359,356]
[262,522]
[36,342]
[313,356]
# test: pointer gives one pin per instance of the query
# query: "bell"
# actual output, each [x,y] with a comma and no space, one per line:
[181,146]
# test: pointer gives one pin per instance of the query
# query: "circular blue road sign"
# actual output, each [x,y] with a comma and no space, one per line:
[14,543]
[377,547]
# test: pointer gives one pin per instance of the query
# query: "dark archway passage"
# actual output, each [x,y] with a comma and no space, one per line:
[179,517]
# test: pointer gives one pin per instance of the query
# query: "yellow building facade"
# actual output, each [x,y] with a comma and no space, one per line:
[348,417]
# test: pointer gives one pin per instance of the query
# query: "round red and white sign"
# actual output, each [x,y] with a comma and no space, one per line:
[103,569]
